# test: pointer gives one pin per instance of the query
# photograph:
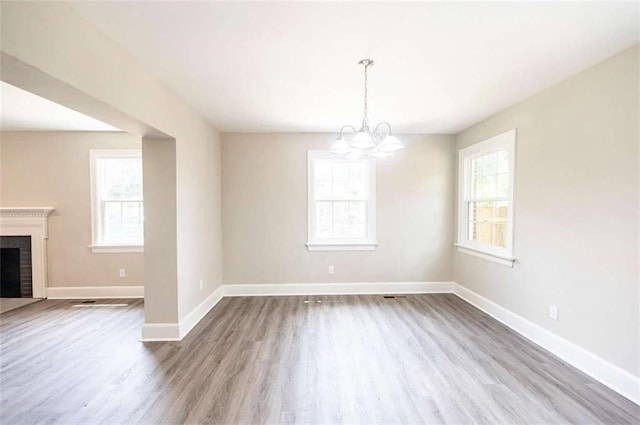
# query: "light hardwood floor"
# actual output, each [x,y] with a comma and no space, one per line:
[268,360]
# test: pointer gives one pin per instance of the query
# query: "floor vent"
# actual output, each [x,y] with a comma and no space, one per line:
[394,296]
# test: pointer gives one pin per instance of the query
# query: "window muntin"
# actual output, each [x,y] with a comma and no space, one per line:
[341,200]
[117,204]
[485,221]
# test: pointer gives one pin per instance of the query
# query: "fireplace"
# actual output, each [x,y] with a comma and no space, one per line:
[15,267]
[23,248]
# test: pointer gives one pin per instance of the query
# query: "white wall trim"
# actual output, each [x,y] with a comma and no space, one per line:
[599,369]
[487,255]
[116,249]
[30,221]
[152,332]
[314,243]
[196,315]
[256,290]
[76,292]
[371,246]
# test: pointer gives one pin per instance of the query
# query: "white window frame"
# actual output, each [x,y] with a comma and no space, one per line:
[501,255]
[97,246]
[333,244]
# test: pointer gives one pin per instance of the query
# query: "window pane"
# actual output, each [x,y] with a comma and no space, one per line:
[324,211]
[499,234]
[121,178]
[358,181]
[490,164]
[488,211]
[132,178]
[323,189]
[340,171]
[324,218]
[503,161]
[340,189]
[484,187]
[357,219]
[488,222]
[323,229]
[323,170]
[340,210]
[503,186]
[123,222]
[476,167]
[481,232]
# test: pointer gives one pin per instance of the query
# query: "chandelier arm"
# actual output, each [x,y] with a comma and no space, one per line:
[383,123]
[347,126]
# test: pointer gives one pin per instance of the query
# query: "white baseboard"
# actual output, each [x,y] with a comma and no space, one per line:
[152,332]
[372,288]
[610,375]
[76,292]
[193,318]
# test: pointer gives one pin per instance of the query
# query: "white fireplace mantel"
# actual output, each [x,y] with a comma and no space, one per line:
[30,221]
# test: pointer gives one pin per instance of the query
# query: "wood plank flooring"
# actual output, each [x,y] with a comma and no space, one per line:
[307,360]
[8,304]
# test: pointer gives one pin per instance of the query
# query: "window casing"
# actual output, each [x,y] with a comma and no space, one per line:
[341,203]
[485,204]
[117,207]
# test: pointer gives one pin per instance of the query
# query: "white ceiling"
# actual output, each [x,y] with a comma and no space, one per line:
[25,111]
[440,66]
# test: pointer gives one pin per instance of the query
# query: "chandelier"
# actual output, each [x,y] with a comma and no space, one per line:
[364,143]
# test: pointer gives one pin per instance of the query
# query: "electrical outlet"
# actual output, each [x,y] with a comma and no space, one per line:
[123,273]
[201,284]
[553,312]
[331,271]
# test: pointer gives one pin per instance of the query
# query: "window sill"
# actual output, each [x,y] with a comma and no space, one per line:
[365,246]
[116,249]
[505,260]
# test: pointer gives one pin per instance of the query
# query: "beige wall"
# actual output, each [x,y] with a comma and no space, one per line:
[576,211]
[264,190]
[40,169]
[84,69]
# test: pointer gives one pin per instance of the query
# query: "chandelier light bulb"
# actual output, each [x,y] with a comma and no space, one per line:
[340,147]
[390,144]
[362,140]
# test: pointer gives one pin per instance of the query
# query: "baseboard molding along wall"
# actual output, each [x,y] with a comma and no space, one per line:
[619,380]
[79,292]
[372,288]
[196,315]
[152,332]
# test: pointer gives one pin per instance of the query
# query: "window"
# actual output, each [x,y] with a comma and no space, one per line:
[117,213]
[342,200]
[485,206]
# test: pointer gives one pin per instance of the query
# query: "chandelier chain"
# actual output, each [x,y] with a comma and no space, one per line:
[365,122]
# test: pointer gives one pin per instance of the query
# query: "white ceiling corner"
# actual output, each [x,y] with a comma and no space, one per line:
[24,111]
